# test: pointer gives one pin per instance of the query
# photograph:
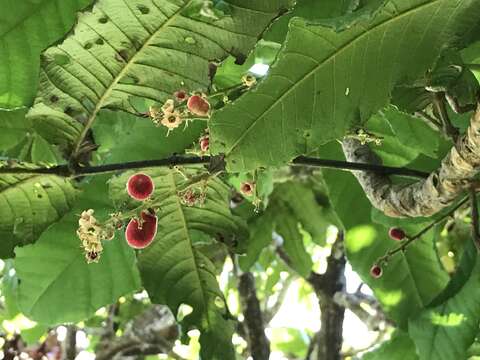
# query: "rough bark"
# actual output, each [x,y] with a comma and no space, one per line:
[257,340]
[152,332]
[424,197]
[330,337]
[70,343]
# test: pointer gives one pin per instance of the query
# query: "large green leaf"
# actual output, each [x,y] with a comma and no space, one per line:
[56,283]
[28,205]
[26,28]
[447,331]
[140,49]
[325,81]
[410,281]
[174,270]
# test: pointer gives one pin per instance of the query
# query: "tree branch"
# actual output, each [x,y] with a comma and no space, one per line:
[152,332]
[425,197]
[257,340]
[74,171]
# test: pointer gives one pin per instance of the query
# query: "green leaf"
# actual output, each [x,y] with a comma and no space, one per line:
[410,281]
[174,270]
[261,232]
[399,347]
[26,28]
[326,81]
[28,205]
[56,283]
[412,132]
[123,50]
[448,330]
[124,137]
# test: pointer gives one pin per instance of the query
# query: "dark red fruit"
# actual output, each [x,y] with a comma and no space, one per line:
[376,271]
[140,186]
[198,105]
[139,236]
[397,234]
[181,95]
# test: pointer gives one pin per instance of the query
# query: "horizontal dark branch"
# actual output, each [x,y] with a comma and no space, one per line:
[69,171]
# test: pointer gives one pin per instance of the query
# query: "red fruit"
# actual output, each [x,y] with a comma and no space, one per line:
[198,105]
[181,95]
[204,143]
[397,234]
[247,188]
[139,236]
[140,186]
[376,271]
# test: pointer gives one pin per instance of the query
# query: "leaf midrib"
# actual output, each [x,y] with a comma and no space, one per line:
[319,65]
[187,236]
[120,75]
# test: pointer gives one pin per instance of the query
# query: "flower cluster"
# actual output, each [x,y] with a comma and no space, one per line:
[172,113]
[91,233]
[192,197]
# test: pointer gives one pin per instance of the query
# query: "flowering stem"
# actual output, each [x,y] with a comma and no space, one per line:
[411,239]
[75,171]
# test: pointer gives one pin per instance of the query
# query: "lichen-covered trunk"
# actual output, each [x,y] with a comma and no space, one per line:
[424,197]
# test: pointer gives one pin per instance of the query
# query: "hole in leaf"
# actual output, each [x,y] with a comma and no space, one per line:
[143,9]
[123,54]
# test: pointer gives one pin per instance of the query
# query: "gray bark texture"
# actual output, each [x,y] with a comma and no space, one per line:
[424,197]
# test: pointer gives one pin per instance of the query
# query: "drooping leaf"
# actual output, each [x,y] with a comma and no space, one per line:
[448,330]
[26,28]
[325,81]
[410,281]
[56,283]
[123,50]
[174,270]
[28,205]
[399,347]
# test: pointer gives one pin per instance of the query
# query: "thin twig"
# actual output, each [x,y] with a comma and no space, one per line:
[411,239]
[68,171]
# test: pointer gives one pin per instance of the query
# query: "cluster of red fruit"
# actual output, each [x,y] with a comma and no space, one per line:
[141,232]
[396,234]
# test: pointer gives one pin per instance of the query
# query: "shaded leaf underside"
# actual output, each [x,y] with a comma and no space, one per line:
[141,48]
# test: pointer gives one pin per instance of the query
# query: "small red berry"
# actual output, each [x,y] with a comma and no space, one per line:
[397,234]
[376,271]
[181,95]
[140,186]
[198,105]
[247,188]
[204,143]
[141,234]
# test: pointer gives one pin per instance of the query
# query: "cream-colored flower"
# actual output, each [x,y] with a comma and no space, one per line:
[172,120]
